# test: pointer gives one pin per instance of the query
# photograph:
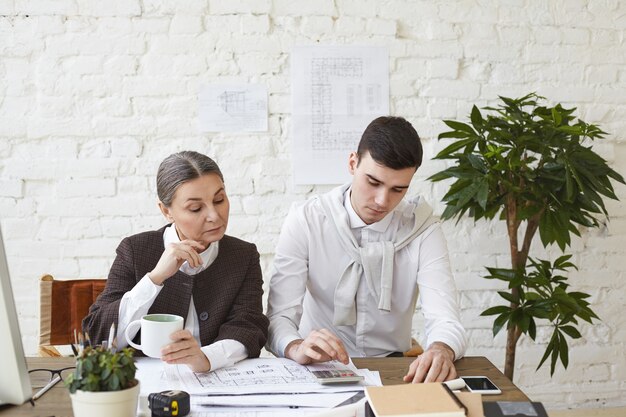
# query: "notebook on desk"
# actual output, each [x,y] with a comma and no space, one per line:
[420,400]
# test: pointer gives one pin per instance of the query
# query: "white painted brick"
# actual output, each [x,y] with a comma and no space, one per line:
[242,225]
[7,8]
[452,88]
[153,24]
[152,86]
[115,226]
[382,27]
[121,64]
[317,24]
[474,30]
[549,35]
[576,36]
[186,24]
[397,9]
[255,24]
[408,106]
[442,31]
[490,52]
[94,268]
[61,7]
[604,37]
[434,49]
[82,65]
[510,35]
[19,228]
[349,25]
[239,6]
[11,207]
[126,147]
[297,8]
[11,188]
[127,8]
[443,68]
[114,25]
[260,63]
[366,8]
[86,188]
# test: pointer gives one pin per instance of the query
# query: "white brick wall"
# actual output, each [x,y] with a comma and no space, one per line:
[94,94]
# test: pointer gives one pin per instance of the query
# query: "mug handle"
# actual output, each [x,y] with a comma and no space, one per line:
[132,324]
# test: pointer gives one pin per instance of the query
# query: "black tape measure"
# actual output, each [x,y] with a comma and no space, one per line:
[169,403]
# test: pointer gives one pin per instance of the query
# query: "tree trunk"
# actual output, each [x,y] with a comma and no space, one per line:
[513,335]
[518,262]
[512,332]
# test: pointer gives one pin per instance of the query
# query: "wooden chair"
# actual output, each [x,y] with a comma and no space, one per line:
[415,350]
[63,305]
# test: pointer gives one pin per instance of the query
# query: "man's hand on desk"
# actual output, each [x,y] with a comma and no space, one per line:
[436,364]
[319,346]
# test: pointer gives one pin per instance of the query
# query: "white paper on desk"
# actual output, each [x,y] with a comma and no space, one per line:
[259,412]
[351,410]
[262,375]
[313,400]
[336,92]
[233,108]
[155,375]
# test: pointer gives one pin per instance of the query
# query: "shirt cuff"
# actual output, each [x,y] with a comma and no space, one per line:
[224,353]
[282,344]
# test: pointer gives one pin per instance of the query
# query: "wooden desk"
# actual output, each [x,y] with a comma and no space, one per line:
[56,402]
[393,369]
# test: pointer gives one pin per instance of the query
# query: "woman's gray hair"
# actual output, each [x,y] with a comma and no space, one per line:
[179,168]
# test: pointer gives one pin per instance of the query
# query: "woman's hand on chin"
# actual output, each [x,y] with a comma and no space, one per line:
[174,255]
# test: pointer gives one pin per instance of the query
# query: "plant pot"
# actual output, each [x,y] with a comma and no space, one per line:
[106,403]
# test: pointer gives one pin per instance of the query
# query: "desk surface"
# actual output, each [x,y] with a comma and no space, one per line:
[56,402]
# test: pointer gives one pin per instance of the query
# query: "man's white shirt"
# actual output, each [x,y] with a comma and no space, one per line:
[310,259]
[136,303]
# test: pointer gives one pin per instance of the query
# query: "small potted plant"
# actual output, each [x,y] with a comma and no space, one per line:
[104,383]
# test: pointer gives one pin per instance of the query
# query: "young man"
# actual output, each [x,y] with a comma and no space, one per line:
[350,264]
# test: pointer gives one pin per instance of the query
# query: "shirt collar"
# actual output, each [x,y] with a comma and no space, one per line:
[207,256]
[356,222]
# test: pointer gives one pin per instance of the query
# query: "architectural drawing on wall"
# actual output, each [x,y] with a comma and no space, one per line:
[336,92]
[233,108]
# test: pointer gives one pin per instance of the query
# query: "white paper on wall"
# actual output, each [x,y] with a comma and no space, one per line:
[336,92]
[233,108]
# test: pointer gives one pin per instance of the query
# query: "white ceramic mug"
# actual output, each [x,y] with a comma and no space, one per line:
[155,332]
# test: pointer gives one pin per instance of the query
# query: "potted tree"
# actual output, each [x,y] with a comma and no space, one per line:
[532,166]
[104,383]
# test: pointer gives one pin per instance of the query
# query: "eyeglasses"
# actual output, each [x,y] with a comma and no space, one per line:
[47,378]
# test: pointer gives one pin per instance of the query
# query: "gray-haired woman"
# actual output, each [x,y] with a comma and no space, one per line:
[189,268]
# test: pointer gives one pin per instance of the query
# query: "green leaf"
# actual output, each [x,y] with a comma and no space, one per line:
[563,351]
[499,322]
[476,117]
[496,310]
[459,126]
[483,194]
[571,331]
[556,116]
[509,297]
[450,149]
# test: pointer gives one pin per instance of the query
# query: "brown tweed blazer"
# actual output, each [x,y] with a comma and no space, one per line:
[227,295]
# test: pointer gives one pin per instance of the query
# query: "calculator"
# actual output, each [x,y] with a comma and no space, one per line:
[337,376]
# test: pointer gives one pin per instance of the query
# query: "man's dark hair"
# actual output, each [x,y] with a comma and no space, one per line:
[392,142]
